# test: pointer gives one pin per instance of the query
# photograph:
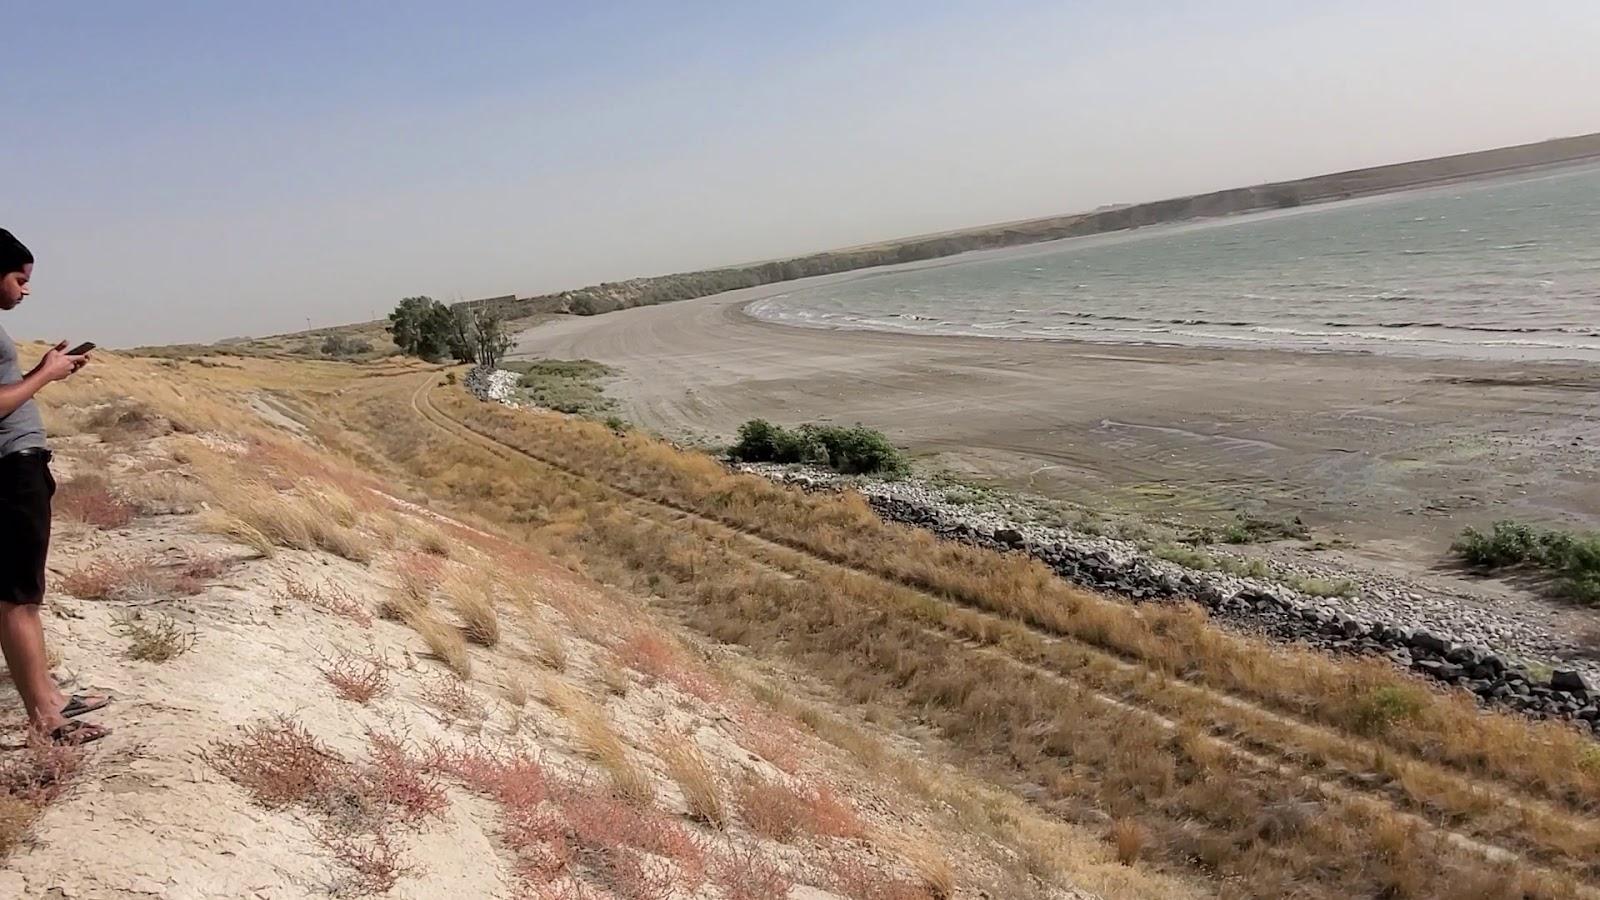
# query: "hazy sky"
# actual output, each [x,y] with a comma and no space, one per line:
[194,170]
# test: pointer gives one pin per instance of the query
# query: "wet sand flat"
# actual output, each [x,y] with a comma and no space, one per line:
[1397,454]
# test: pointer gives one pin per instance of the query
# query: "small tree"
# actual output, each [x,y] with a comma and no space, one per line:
[491,342]
[421,327]
[460,329]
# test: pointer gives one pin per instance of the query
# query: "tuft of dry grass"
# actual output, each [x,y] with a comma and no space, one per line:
[471,599]
[549,649]
[419,574]
[235,528]
[1128,839]
[443,640]
[167,493]
[598,739]
[932,865]
[428,537]
[614,678]
[90,500]
[516,691]
[153,637]
[701,790]
[357,678]
[287,519]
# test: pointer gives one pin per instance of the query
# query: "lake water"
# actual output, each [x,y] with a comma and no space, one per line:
[1504,269]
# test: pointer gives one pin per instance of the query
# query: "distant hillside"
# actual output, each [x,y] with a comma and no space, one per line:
[615,295]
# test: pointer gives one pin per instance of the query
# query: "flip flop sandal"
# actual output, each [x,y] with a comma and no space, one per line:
[78,704]
[76,734]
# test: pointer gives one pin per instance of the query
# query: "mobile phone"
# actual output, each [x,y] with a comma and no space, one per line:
[81,349]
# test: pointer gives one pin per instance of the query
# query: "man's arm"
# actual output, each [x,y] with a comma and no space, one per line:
[55,366]
[14,395]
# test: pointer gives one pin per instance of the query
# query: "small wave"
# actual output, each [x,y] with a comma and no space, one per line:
[1491,329]
[1417,339]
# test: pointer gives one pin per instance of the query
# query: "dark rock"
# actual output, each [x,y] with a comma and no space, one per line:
[1010,537]
[1427,640]
[1569,681]
[1462,656]
[1438,669]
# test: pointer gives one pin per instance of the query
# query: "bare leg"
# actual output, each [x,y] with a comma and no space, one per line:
[22,640]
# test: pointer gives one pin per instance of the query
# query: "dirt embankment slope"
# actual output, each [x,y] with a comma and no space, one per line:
[323,687]
[370,636]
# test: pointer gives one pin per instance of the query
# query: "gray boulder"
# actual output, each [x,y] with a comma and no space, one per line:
[1568,681]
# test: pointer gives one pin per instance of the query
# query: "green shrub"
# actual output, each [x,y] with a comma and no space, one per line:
[1185,556]
[853,450]
[1252,529]
[1244,568]
[564,385]
[340,345]
[1379,710]
[1572,559]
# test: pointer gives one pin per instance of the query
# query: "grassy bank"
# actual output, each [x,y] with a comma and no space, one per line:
[574,386]
[959,638]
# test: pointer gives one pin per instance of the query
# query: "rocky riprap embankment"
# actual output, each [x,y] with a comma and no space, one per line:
[1483,655]
[493,384]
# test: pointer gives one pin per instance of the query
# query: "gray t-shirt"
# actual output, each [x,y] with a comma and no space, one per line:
[24,428]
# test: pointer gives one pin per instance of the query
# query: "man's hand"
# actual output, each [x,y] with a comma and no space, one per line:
[57,365]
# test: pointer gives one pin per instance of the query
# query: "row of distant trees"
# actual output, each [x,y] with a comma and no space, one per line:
[424,327]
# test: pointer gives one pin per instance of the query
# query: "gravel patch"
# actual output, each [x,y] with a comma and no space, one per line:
[497,385]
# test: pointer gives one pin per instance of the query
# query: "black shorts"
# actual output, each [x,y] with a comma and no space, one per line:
[26,487]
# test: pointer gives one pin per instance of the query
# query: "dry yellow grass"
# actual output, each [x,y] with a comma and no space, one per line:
[471,598]
[886,634]
[548,648]
[930,861]
[702,791]
[443,640]
[599,741]
[1128,838]
[231,526]
[516,691]
[428,537]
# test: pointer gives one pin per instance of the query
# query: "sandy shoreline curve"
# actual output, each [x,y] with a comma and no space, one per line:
[1395,453]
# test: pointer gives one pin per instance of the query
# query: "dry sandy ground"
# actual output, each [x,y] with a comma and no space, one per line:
[529,748]
[1396,454]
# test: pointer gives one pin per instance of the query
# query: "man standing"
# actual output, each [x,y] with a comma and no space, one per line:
[25,490]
